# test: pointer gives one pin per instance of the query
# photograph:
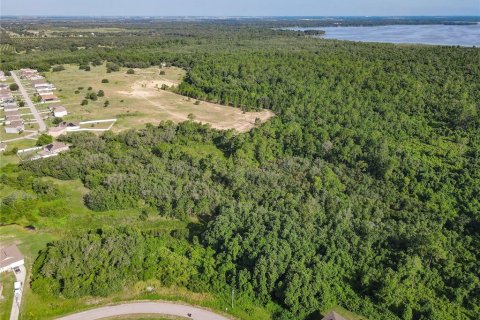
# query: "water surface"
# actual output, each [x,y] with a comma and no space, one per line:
[462,35]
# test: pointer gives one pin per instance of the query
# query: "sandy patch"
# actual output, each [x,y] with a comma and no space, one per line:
[179,108]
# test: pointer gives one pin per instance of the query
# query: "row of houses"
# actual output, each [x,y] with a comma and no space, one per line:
[43,88]
[12,119]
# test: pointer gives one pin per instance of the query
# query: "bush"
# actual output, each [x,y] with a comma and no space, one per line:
[105,81]
[84,102]
[44,139]
[13,87]
[57,120]
[100,93]
[92,96]
[58,68]
[89,88]
[162,73]
[130,71]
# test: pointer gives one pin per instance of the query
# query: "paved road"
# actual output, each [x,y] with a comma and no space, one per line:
[164,308]
[41,124]
[17,299]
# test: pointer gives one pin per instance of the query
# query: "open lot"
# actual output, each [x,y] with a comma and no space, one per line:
[138,99]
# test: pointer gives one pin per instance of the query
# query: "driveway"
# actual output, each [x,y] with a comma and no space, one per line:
[41,124]
[164,308]
[17,299]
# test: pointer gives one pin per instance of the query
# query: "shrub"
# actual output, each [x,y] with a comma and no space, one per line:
[58,68]
[84,102]
[44,139]
[13,87]
[130,71]
[100,93]
[105,81]
[162,73]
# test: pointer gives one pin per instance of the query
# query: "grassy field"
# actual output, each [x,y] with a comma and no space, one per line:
[6,279]
[138,99]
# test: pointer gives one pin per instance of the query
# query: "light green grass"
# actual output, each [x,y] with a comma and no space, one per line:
[138,99]
[6,279]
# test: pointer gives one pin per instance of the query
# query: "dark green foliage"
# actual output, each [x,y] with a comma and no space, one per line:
[44,139]
[363,191]
[92,96]
[100,93]
[130,71]
[102,262]
[13,87]
[112,67]
[104,80]
[84,102]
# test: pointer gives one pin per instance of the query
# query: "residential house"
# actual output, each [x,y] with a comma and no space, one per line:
[48,97]
[62,128]
[10,257]
[59,111]
[51,150]
[14,126]
[10,107]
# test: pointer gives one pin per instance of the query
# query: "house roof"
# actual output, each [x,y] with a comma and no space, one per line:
[9,255]
[333,316]
[38,81]
[12,113]
[54,147]
[47,95]
[59,109]
[15,124]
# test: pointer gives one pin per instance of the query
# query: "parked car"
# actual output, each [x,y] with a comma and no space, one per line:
[17,270]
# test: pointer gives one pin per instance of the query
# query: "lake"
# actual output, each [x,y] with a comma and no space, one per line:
[462,35]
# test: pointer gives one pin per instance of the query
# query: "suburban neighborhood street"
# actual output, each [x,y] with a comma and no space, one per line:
[41,124]
[17,299]
[164,308]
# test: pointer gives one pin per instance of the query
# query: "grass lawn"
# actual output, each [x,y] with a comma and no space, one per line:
[138,99]
[6,279]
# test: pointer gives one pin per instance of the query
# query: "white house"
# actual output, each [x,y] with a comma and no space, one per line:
[10,257]
[59,111]
[14,126]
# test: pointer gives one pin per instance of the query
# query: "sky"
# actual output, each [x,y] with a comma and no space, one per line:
[240,7]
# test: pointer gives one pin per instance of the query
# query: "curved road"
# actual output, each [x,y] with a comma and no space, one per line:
[164,308]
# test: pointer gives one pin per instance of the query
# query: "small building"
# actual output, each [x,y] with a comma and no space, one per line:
[12,113]
[57,131]
[63,127]
[10,103]
[12,118]
[10,257]
[51,150]
[10,107]
[59,111]
[3,146]
[14,127]
[48,97]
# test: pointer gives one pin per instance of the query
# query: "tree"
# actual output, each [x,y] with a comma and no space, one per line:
[105,81]
[84,102]
[100,93]
[130,71]
[44,139]
[13,87]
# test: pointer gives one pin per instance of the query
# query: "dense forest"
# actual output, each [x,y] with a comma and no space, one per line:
[363,191]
